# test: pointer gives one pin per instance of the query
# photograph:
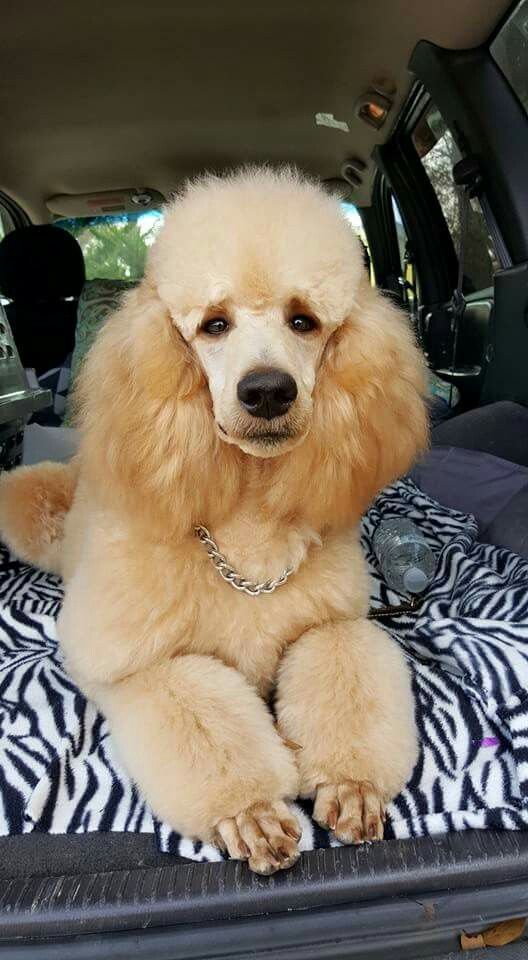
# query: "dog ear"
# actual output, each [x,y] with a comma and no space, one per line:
[369,420]
[144,410]
[381,379]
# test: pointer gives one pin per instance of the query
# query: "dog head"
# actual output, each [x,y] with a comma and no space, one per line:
[257,272]
[255,348]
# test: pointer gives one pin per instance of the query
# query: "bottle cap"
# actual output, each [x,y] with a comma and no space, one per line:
[415,580]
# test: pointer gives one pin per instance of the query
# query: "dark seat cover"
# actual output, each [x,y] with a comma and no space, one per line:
[42,274]
[499,428]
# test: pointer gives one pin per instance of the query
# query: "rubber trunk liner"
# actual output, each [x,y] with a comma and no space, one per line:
[413,897]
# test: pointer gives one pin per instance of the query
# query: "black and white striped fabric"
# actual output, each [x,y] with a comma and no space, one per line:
[468,651]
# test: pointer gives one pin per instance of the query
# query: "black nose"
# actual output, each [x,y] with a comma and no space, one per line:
[267,393]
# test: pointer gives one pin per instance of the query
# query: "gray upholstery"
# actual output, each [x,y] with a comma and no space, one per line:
[493,489]
[499,428]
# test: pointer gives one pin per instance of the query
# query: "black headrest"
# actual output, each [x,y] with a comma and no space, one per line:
[40,263]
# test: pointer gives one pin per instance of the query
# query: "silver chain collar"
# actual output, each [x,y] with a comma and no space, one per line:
[230,575]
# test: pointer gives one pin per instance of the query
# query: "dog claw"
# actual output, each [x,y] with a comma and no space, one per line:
[294,834]
[353,809]
[266,835]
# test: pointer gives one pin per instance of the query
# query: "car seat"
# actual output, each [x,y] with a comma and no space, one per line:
[41,275]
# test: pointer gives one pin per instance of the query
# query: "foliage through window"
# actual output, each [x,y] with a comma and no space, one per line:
[114,247]
[510,50]
[439,153]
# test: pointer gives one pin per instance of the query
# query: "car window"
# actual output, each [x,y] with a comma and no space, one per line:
[408,278]
[114,247]
[351,214]
[400,232]
[510,51]
[6,222]
[439,153]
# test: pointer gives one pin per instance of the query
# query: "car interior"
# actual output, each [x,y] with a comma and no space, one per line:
[415,117]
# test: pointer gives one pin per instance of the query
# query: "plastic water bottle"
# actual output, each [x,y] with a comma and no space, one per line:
[406,561]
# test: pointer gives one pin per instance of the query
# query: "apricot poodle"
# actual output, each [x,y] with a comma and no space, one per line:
[256,391]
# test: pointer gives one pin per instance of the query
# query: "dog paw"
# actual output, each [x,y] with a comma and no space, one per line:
[353,809]
[266,835]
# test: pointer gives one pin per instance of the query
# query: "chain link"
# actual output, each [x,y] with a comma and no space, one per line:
[230,575]
[234,579]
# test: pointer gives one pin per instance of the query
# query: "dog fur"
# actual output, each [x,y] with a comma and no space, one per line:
[180,663]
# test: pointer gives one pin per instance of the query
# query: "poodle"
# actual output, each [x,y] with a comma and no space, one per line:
[238,414]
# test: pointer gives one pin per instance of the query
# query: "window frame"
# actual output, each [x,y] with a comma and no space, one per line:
[380,229]
[420,209]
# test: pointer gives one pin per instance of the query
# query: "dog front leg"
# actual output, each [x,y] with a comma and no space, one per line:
[202,746]
[344,695]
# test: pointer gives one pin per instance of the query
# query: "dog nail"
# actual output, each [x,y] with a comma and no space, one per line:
[293,833]
[332,816]
[291,744]
[284,854]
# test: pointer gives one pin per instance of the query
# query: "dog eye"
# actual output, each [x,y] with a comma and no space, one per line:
[301,323]
[215,325]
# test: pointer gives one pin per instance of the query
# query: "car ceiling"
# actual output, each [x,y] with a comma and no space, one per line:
[127,93]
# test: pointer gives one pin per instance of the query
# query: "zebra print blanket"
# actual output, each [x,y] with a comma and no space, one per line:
[467,647]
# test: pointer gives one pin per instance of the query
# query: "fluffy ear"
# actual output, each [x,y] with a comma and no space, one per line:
[145,415]
[380,376]
[370,420]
